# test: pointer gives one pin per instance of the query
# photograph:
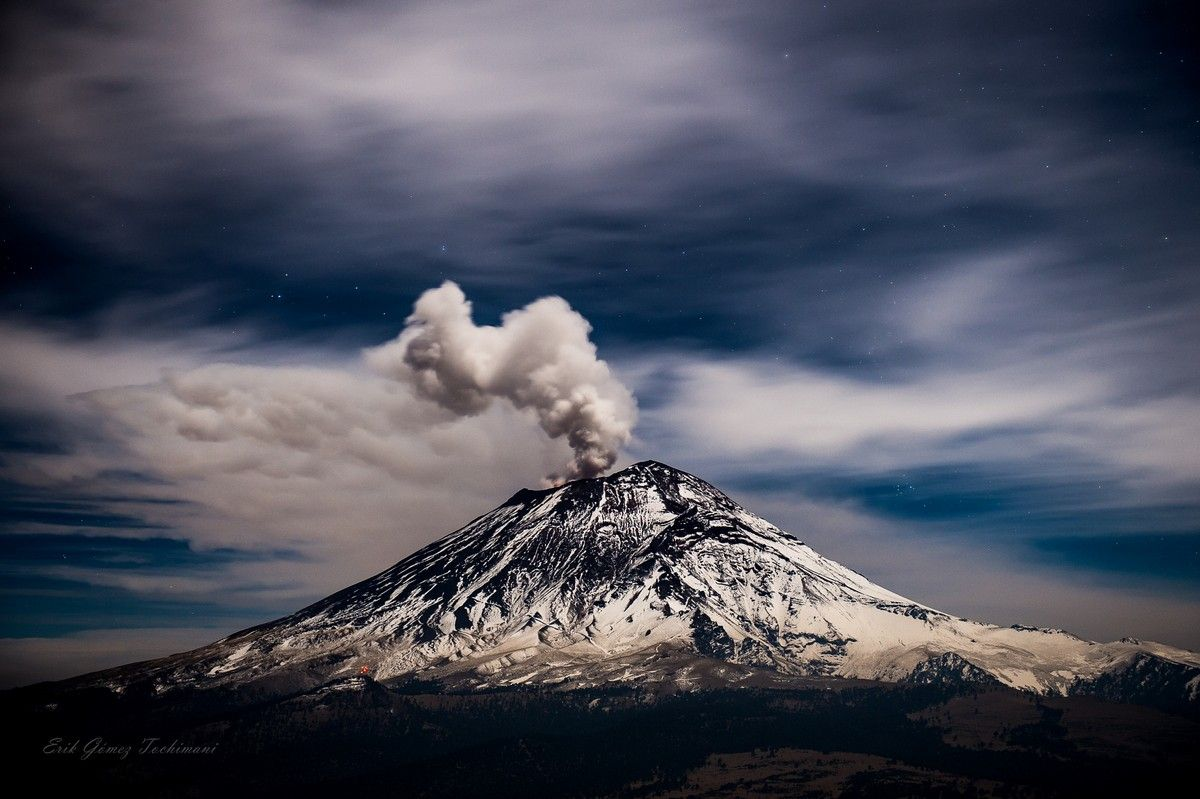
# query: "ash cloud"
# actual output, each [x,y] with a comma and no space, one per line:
[539,358]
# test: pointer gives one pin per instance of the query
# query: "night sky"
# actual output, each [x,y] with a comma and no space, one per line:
[918,282]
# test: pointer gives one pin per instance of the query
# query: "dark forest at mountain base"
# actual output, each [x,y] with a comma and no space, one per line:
[848,739]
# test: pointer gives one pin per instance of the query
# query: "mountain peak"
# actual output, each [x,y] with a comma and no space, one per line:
[612,579]
[657,477]
[652,466]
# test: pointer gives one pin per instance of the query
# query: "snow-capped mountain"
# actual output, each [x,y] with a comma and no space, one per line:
[648,575]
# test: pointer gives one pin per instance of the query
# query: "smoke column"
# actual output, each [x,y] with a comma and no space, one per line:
[539,358]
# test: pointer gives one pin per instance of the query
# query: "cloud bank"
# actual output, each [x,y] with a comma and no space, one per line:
[342,464]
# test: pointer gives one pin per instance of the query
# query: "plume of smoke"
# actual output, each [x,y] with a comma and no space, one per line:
[539,358]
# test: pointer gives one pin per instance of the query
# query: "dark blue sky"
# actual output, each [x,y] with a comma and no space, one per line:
[918,282]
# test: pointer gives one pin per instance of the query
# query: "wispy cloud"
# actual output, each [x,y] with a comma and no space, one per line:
[349,467]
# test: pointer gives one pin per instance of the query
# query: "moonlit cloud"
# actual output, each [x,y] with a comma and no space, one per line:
[748,409]
[338,462]
[453,107]
[322,458]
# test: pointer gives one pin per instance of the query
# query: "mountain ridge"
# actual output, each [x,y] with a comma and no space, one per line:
[648,575]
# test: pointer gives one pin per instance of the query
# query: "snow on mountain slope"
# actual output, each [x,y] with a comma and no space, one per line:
[651,575]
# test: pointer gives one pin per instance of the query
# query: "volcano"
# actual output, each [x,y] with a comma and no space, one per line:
[648,576]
